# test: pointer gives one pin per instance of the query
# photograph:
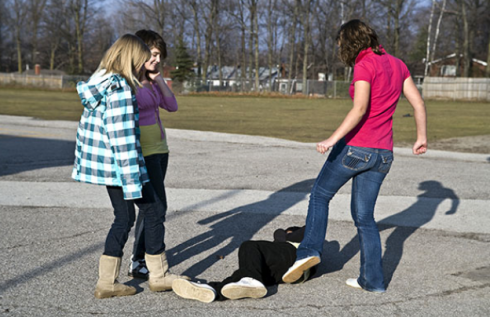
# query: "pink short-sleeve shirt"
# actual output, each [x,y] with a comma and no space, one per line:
[386,75]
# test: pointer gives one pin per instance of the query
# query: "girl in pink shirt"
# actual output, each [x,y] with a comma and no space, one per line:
[153,95]
[362,151]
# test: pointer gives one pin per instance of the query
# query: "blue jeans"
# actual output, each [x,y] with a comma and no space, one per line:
[367,167]
[152,212]
[156,165]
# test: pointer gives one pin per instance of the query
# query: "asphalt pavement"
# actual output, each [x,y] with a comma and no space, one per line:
[224,189]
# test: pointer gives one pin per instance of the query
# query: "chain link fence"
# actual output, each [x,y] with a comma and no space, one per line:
[477,89]
[328,89]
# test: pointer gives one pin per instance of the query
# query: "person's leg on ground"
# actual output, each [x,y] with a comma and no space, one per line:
[191,290]
[261,264]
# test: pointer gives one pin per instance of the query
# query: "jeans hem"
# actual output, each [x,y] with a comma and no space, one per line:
[373,290]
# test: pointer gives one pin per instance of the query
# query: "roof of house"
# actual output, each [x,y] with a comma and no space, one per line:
[454,55]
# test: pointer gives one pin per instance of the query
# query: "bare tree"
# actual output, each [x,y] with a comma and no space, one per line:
[217,33]
[3,16]
[466,42]
[488,57]
[99,39]
[237,12]
[397,12]
[256,43]
[54,30]
[154,13]
[326,27]
[306,29]
[469,35]
[179,19]
[80,14]
[208,36]
[427,62]
[271,8]
[457,40]
[243,28]
[18,10]
[254,40]
[35,12]
[292,36]
[248,33]
[197,30]
[436,36]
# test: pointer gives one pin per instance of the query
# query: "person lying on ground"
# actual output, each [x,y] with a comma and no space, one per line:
[260,264]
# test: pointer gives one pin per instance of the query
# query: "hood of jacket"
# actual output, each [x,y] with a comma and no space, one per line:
[96,88]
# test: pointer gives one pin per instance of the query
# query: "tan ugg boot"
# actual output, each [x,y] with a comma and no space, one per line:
[107,285]
[160,278]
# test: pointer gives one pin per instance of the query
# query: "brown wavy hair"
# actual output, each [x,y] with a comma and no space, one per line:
[353,37]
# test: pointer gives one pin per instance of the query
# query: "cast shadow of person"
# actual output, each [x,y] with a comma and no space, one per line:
[231,228]
[20,154]
[406,223]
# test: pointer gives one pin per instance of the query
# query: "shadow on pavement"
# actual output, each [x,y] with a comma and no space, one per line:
[20,154]
[412,218]
[49,267]
[234,227]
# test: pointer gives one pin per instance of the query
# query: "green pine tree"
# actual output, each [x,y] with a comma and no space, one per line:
[419,50]
[183,63]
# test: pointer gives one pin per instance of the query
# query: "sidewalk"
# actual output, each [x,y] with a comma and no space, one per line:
[224,189]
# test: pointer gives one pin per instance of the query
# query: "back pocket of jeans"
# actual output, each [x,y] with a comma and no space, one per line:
[385,165]
[355,159]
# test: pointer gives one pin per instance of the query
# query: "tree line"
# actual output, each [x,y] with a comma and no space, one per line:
[297,36]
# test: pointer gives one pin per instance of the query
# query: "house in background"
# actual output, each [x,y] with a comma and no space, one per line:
[446,67]
[232,76]
[166,74]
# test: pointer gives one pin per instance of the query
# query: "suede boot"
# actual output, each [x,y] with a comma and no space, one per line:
[107,285]
[160,278]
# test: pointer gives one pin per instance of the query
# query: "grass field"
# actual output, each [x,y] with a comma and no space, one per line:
[306,120]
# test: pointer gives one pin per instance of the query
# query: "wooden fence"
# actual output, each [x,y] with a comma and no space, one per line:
[477,89]
[45,81]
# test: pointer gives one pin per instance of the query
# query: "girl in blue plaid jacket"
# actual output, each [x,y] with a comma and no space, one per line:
[108,153]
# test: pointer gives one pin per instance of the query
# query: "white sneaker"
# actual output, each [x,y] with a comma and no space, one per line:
[352,282]
[296,271]
[247,287]
[190,290]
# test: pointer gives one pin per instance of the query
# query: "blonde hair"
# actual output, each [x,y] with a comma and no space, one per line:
[126,57]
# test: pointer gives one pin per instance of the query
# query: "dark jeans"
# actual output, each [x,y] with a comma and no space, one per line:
[150,209]
[156,165]
[264,261]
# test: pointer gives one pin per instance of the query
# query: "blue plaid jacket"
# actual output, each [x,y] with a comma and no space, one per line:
[108,150]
